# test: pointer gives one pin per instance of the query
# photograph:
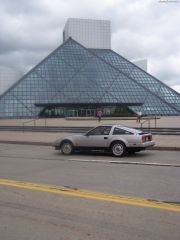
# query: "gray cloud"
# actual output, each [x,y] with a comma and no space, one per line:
[140,29]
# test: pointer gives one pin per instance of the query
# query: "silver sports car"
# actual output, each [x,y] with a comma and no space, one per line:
[117,139]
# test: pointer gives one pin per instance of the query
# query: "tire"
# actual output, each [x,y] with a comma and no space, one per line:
[118,149]
[67,148]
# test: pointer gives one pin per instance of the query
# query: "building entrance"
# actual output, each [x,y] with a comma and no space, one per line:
[55,112]
[81,112]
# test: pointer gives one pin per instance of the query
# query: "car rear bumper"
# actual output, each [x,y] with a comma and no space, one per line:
[148,144]
[142,146]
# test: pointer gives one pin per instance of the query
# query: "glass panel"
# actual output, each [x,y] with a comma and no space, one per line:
[73,74]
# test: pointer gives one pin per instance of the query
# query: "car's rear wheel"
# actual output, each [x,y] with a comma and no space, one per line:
[66,148]
[118,149]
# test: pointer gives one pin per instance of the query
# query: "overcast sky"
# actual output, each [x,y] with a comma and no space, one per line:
[31,29]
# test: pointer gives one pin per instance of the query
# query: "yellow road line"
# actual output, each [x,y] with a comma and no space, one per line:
[91,195]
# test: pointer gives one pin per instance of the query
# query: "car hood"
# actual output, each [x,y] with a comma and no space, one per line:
[70,136]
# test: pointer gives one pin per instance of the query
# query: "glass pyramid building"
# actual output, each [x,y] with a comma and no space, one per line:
[73,76]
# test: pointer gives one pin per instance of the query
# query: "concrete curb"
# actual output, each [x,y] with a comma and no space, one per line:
[160,148]
[27,143]
[163,148]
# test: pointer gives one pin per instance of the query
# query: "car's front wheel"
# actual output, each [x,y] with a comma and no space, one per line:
[118,149]
[66,148]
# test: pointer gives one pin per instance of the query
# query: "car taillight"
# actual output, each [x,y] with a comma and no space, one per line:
[143,138]
[146,138]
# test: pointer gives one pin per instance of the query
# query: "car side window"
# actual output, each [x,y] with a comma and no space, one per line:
[106,130]
[102,130]
[119,131]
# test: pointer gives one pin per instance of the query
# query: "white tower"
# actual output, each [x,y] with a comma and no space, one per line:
[90,33]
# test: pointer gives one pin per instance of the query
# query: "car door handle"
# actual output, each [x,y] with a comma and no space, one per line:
[105,137]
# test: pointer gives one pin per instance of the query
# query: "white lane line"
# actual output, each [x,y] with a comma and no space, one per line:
[124,162]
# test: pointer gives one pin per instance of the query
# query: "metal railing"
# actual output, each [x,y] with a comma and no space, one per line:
[148,120]
[34,122]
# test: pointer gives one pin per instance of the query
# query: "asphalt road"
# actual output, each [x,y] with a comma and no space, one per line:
[26,213]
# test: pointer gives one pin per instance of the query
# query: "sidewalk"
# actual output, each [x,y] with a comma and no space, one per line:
[163,142]
[162,122]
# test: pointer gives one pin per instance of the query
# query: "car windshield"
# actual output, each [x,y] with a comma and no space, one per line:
[132,130]
[119,131]
[142,133]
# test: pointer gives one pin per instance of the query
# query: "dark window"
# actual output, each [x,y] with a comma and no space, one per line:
[119,131]
[102,130]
